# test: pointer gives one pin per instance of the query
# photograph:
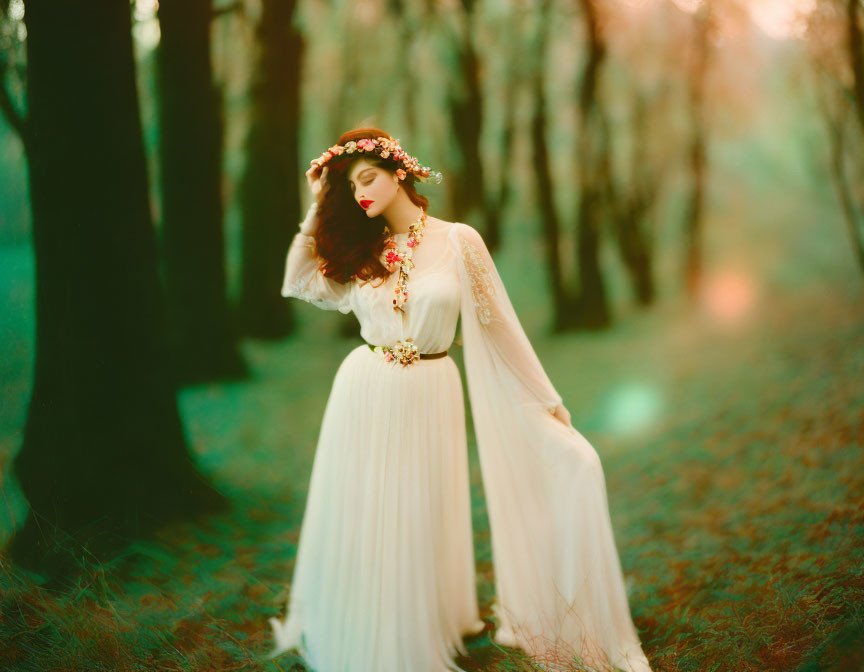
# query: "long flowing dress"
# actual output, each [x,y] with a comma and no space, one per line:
[384,577]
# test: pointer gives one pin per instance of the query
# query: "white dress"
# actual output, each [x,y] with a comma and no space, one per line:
[384,575]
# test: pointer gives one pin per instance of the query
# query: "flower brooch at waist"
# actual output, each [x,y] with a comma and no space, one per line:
[405,352]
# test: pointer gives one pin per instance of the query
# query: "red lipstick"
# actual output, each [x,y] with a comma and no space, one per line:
[365,203]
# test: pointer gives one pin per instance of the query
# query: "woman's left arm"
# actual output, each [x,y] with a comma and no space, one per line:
[545,489]
[486,296]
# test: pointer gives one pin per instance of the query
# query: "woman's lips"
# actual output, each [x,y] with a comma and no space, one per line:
[365,203]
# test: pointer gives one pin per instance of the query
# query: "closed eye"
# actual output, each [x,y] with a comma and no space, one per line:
[365,183]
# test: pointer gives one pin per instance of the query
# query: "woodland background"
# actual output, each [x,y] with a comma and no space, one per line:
[673,191]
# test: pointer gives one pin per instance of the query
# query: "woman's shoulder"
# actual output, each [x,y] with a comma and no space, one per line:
[461,229]
[466,233]
[435,224]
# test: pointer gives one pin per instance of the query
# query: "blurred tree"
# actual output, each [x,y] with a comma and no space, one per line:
[853,204]
[846,183]
[408,21]
[590,307]
[103,457]
[350,83]
[855,47]
[630,201]
[842,104]
[703,20]
[514,69]
[467,188]
[541,161]
[269,192]
[201,341]
[12,62]
[642,142]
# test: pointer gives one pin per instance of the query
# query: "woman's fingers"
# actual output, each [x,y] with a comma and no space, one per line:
[316,176]
[314,169]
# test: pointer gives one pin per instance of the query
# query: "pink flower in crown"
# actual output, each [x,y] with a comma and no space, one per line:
[401,174]
[336,150]
[366,144]
[411,242]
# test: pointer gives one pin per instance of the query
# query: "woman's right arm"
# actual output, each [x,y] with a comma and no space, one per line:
[303,277]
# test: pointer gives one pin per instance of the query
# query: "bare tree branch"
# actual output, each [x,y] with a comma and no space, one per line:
[852,212]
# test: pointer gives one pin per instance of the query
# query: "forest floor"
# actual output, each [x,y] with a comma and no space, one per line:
[733,455]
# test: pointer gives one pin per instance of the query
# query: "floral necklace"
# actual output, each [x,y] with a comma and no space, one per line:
[392,257]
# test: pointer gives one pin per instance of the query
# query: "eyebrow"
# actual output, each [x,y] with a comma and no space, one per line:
[361,172]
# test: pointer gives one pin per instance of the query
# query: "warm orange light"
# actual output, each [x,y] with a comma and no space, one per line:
[729,296]
[781,19]
[689,6]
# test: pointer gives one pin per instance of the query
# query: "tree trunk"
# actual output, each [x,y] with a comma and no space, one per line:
[856,57]
[201,342]
[409,27]
[467,188]
[591,308]
[103,448]
[838,143]
[543,172]
[514,71]
[630,207]
[698,150]
[269,188]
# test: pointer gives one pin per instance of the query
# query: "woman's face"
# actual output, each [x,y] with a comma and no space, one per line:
[372,186]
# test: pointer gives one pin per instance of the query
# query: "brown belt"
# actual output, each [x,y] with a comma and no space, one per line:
[404,355]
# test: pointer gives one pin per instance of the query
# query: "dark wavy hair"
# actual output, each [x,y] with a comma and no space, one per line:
[349,242]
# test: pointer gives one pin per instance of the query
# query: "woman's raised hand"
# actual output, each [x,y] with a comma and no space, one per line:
[314,176]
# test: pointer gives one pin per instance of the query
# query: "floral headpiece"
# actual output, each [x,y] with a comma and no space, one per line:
[385,148]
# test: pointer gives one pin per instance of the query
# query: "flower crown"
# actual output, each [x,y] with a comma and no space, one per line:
[385,148]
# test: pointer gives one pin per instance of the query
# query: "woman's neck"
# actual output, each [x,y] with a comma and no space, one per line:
[401,213]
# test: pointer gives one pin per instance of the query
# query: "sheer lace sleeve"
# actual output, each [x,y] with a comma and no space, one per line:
[559,585]
[490,303]
[303,277]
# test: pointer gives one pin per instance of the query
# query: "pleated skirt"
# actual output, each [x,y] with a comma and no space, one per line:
[384,575]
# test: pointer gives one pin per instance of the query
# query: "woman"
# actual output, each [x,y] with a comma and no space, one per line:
[384,575]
